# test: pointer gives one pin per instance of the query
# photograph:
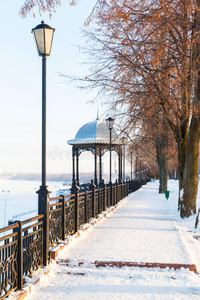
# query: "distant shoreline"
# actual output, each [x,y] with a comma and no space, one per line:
[85,177]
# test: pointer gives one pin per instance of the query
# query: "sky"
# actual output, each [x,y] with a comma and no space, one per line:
[20,89]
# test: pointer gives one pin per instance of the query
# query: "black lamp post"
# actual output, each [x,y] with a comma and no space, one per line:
[110,122]
[140,167]
[43,35]
[136,170]
[132,149]
[124,142]
[145,169]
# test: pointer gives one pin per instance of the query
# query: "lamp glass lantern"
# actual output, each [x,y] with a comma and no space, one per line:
[43,35]
[124,140]
[110,122]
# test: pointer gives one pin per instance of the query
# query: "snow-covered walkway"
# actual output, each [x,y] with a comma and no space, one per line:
[141,229]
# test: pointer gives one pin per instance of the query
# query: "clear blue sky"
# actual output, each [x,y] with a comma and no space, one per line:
[20,89]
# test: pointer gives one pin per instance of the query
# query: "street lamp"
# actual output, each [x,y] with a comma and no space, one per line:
[43,35]
[110,122]
[140,167]
[145,169]
[136,170]
[132,149]
[124,142]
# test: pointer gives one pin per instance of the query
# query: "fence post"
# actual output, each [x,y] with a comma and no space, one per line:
[133,186]
[103,200]
[86,206]
[111,193]
[116,192]
[104,195]
[121,194]
[99,200]
[127,186]
[92,187]
[63,218]
[19,255]
[75,190]
[43,208]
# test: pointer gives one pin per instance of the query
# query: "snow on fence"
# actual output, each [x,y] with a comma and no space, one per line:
[22,243]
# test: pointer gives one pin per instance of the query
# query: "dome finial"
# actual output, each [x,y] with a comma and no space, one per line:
[97,113]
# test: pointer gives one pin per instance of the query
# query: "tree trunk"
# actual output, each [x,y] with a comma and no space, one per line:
[162,174]
[190,178]
[162,163]
[181,166]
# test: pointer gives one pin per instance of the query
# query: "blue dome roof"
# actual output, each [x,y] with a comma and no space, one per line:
[95,132]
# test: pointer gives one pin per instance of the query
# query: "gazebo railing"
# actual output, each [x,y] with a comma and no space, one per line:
[22,243]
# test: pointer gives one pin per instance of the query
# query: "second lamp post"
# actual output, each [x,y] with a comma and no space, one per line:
[110,122]
[132,149]
[43,35]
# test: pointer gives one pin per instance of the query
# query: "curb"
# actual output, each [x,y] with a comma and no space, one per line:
[121,264]
[27,290]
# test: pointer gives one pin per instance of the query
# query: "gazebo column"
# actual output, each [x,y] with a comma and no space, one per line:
[95,166]
[100,166]
[77,166]
[73,165]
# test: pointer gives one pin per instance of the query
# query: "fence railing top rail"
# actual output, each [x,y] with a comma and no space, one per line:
[10,227]
[61,197]
[55,204]
[69,196]
[33,219]
[82,193]
[56,198]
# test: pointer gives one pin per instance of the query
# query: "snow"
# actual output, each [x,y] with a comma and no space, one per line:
[114,283]
[140,230]
[144,228]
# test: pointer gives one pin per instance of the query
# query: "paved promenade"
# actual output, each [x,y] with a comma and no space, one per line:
[140,230]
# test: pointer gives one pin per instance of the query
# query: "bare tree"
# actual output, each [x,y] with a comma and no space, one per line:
[146,50]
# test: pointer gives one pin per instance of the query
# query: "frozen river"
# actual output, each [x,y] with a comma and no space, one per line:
[18,197]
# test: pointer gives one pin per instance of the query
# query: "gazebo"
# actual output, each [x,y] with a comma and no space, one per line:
[95,137]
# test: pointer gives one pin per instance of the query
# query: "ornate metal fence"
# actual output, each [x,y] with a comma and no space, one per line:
[9,260]
[21,253]
[32,241]
[22,244]
[82,207]
[69,214]
[55,220]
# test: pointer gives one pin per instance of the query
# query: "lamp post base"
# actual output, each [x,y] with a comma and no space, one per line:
[43,208]
[43,199]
